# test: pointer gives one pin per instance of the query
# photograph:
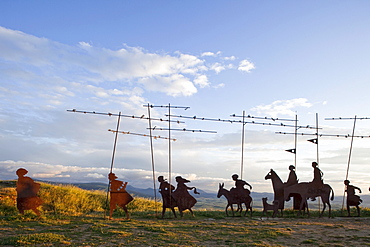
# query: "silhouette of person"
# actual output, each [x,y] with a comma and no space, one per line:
[352,199]
[118,195]
[27,190]
[166,190]
[317,174]
[182,197]
[292,178]
[240,191]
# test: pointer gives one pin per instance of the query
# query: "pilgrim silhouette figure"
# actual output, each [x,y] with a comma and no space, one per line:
[166,190]
[352,199]
[118,195]
[292,178]
[317,181]
[317,175]
[240,191]
[27,190]
[182,197]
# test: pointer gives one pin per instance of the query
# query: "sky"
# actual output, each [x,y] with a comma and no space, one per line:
[273,59]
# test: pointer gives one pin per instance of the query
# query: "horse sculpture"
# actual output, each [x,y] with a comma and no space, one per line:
[310,190]
[232,199]
[278,187]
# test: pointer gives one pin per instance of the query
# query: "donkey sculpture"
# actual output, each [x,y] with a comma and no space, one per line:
[233,199]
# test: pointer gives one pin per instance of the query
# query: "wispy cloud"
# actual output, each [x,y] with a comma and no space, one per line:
[282,107]
[43,61]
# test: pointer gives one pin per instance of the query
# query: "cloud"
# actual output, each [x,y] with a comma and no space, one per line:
[282,107]
[217,67]
[41,62]
[202,81]
[139,178]
[230,58]
[220,85]
[173,85]
[42,78]
[210,54]
[246,66]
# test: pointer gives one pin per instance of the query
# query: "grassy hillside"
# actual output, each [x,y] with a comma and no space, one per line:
[67,200]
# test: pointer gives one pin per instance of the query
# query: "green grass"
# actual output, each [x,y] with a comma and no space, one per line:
[95,230]
[68,200]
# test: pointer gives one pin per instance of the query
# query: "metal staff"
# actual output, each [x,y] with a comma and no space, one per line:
[169,132]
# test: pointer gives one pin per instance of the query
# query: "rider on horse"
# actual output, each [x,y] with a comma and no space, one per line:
[239,191]
[317,181]
[292,179]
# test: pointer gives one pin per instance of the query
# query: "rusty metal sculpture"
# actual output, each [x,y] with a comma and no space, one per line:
[312,190]
[233,198]
[278,186]
[352,199]
[184,200]
[27,190]
[118,195]
[270,207]
[166,190]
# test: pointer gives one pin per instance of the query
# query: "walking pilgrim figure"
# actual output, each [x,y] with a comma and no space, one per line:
[118,195]
[166,189]
[352,199]
[182,197]
[27,190]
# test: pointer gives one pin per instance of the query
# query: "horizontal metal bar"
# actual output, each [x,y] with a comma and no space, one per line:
[129,116]
[265,118]
[320,135]
[167,106]
[137,134]
[348,118]
[206,131]
[240,121]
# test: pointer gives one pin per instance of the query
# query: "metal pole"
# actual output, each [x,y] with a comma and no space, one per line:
[317,152]
[115,142]
[169,144]
[349,159]
[317,140]
[242,158]
[295,141]
[152,157]
[112,162]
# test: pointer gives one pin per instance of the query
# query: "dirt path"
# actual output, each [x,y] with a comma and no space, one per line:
[325,232]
